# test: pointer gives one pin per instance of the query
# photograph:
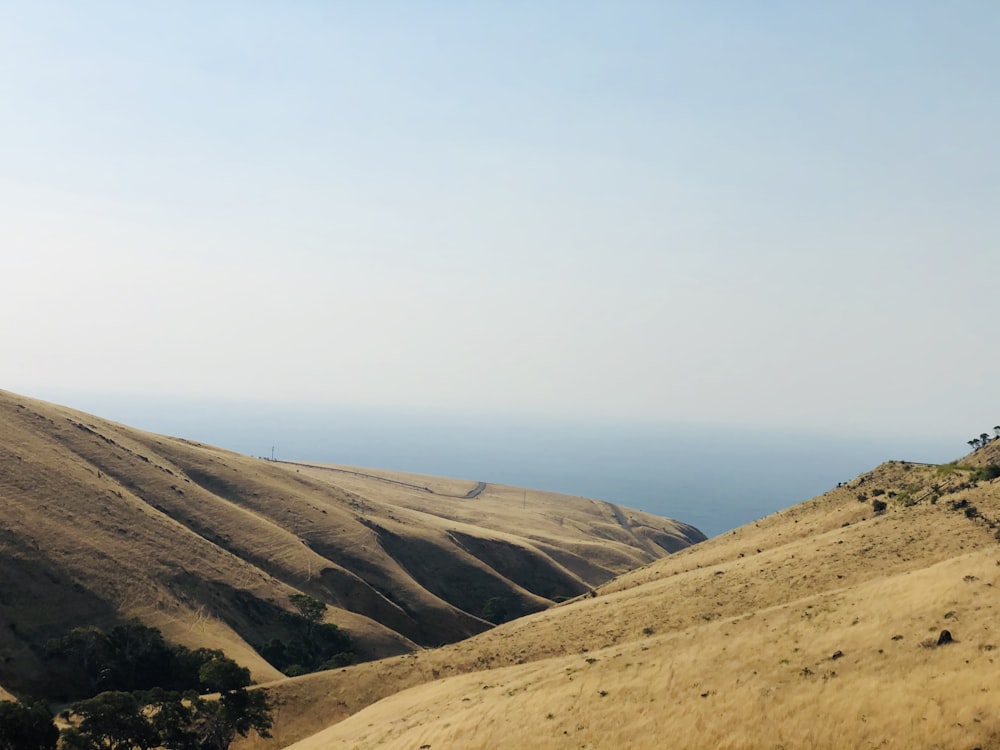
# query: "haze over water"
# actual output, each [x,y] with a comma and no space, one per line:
[713,478]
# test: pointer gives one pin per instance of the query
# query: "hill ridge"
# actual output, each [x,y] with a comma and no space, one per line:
[115,522]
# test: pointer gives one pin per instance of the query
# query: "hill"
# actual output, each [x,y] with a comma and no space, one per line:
[102,523]
[822,625]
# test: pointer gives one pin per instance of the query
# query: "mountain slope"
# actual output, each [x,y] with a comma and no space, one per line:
[814,627]
[102,522]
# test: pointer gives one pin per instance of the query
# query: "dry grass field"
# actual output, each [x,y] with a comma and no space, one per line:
[814,627]
[817,626]
[101,522]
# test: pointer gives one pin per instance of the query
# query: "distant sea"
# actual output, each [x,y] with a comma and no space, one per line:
[712,478]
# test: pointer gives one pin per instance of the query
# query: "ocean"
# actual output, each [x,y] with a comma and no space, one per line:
[713,478]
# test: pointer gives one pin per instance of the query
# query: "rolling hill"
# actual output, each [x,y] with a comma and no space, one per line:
[102,522]
[822,625]
[865,617]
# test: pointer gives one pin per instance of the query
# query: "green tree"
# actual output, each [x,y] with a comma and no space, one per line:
[174,718]
[26,726]
[309,643]
[309,607]
[113,721]
[500,609]
[223,675]
[237,712]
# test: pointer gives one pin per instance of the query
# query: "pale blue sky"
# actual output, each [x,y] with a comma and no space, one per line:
[764,214]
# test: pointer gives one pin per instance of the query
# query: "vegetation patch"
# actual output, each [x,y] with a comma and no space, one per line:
[309,644]
[138,691]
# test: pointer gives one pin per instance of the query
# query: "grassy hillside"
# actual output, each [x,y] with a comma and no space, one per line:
[818,626]
[102,522]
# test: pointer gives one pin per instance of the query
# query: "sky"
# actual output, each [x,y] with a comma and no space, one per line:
[765,215]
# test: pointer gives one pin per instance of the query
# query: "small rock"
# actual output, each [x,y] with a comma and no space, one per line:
[837,654]
[944,638]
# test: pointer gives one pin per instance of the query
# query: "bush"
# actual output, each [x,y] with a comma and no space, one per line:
[878,506]
[987,473]
[127,658]
[501,609]
[308,644]
[26,727]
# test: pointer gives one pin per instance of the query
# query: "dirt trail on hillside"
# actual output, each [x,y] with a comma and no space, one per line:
[470,495]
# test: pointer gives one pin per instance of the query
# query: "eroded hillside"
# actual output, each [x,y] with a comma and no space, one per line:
[817,626]
[101,522]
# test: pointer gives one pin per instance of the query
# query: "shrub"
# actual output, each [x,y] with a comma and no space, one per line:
[308,644]
[879,506]
[501,609]
[987,473]
[128,657]
[24,726]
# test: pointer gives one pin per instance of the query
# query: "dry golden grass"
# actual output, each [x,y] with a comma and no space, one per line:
[726,644]
[813,627]
[104,522]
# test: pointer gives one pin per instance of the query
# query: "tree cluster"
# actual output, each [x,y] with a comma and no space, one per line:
[308,644]
[117,720]
[129,657]
[984,438]
[139,692]
[26,726]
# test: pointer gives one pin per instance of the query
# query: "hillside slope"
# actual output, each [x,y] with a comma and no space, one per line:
[817,626]
[101,522]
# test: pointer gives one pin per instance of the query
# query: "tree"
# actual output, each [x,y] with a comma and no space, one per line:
[236,712]
[309,607]
[161,718]
[983,438]
[309,643]
[974,443]
[113,721]
[223,675]
[26,727]
[173,717]
[500,609]
[128,657]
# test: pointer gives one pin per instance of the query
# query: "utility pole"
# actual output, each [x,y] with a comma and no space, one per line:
[272,452]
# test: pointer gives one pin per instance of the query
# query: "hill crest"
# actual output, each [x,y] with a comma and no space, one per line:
[105,522]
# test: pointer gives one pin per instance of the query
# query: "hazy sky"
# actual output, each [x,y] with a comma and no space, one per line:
[779,214]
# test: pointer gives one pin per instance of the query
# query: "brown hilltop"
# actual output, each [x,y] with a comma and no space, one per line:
[102,522]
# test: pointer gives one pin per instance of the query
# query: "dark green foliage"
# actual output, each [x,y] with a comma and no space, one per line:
[879,506]
[309,607]
[988,472]
[127,658]
[308,644]
[500,609]
[160,718]
[174,718]
[221,675]
[115,721]
[186,668]
[142,705]
[877,492]
[26,727]
[239,712]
